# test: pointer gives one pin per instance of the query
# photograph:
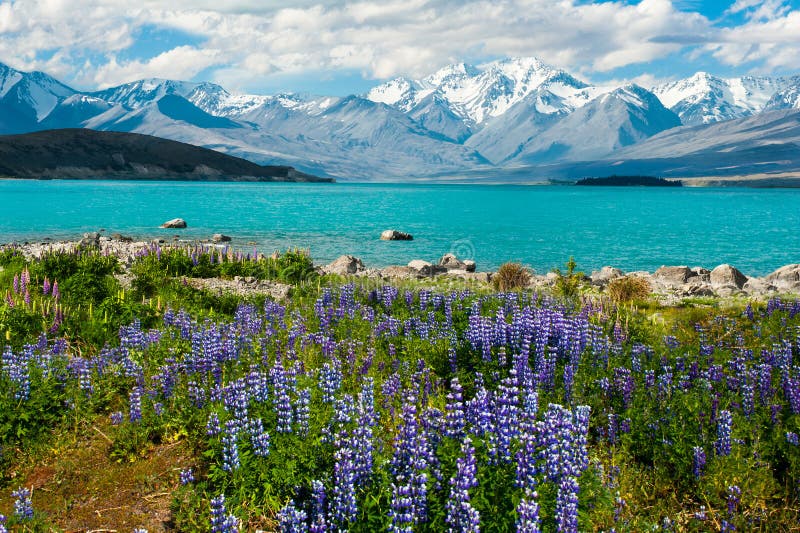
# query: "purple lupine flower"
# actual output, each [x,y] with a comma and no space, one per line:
[409,464]
[792,438]
[461,515]
[567,505]
[221,522]
[343,501]
[281,401]
[699,462]
[230,446]
[724,426]
[213,427]
[528,514]
[506,413]
[23,506]
[734,495]
[135,413]
[116,418]
[302,411]
[320,522]
[3,528]
[292,520]
[186,476]
[455,420]
[54,291]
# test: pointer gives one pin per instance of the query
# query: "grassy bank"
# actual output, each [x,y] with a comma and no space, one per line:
[366,407]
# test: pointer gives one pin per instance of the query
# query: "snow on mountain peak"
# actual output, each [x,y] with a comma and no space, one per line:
[704,98]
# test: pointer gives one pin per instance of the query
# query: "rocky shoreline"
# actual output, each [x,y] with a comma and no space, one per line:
[669,284]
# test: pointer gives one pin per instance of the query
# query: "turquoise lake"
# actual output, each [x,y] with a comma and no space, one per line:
[541,226]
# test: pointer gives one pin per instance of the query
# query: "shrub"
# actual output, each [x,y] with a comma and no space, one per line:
[511,276]
[568,284]
[628,289]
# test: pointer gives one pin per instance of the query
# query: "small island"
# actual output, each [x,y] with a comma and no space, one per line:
[630,181]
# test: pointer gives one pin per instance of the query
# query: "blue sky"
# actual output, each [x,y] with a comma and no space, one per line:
[343,47]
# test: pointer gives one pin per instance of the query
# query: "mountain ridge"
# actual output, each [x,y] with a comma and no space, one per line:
[515,112]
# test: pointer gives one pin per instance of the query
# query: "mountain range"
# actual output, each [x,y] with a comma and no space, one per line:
[518,118]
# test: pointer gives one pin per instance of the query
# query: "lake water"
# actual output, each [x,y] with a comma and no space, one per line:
[541,226]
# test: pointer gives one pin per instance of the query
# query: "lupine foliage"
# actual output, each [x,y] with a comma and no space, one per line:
[369,408]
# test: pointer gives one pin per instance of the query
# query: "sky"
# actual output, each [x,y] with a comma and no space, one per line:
[346,47]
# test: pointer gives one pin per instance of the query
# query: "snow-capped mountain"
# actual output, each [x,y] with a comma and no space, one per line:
[786,98]
[26,98]
[480,94]
[703,98]
[510,113]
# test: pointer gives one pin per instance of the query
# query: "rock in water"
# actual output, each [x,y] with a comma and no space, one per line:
[219,237]
[394,235]
[174,223]
[344,265]
[727,275]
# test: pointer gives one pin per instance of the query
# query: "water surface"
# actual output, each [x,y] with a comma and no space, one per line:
[638,228]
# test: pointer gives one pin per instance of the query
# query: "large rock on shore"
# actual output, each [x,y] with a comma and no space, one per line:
[91,239]
[451,262]
[344,265]
[425,268]
[605,275]
[676,275]
[786,278]
[221,237]
[394,235]
[174,223]
[727,275]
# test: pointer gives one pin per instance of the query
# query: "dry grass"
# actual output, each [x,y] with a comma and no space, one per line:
[628,289]
[511,276]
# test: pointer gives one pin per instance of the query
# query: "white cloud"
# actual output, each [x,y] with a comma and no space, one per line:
[249,40]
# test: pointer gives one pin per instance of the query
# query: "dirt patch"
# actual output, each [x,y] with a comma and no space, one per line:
[78,487]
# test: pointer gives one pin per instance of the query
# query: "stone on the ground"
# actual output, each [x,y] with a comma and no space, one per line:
[727,275]
[673,274]
[91,239]
[174,223]
[758,287]
[394,235]
[220,237]
[344,265]
[786,278]
[425,268]
[121,238]
[606,274]
[399,272]
[469,265]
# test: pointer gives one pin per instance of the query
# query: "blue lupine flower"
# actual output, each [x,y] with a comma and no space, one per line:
[567,505]
[186,476]
[23,506]
[461,515]
[230,446]
[528,514]
[136,404]
[220,521]
[292,520]
[792,438]
[699,462]
[455,420]
[723,442]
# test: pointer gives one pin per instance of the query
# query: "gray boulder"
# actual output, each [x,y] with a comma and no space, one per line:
[758,287]
[399,272]
[676,275]
[727,275]
[451,262]
[91,239]
[785,278]
[174,223]
[605,274]
[394,235]
[344,265]
[425,268]
[219,237]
